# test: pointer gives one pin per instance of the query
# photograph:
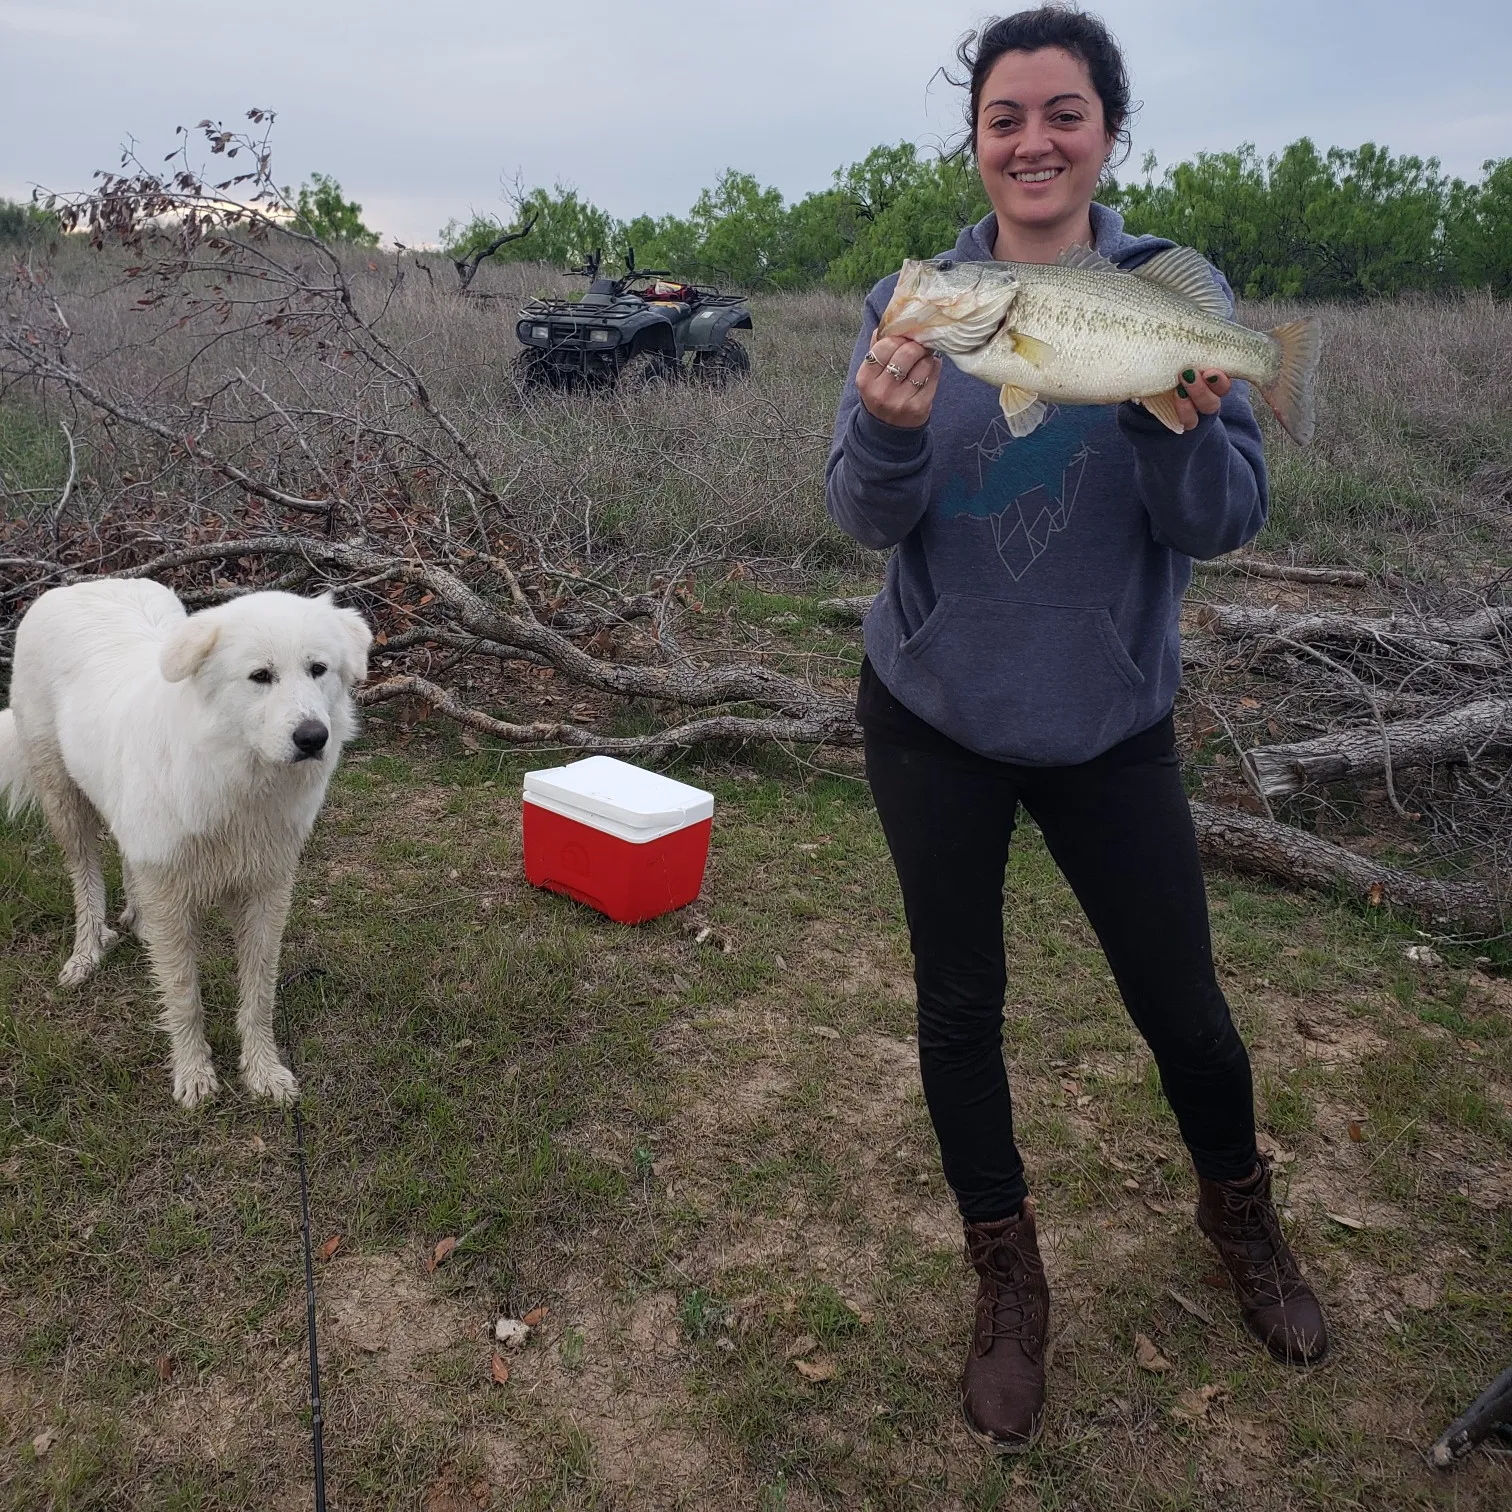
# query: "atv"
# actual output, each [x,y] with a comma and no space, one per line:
[643,328]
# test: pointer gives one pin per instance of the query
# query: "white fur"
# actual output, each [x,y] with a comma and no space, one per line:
[124,709]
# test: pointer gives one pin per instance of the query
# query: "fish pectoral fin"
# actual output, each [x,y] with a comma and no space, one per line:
[1163,407]
[1032,349]
[1185,271]
[1022,410]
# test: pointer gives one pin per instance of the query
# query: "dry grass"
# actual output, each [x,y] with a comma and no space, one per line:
[1411,469]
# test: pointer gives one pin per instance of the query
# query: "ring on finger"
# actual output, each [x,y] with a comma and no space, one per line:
[918,382]
[872,358]
[896,371]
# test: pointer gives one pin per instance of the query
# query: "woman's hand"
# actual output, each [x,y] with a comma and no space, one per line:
[1199,393]
[897,381]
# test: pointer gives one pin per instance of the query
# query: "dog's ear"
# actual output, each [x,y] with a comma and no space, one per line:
[184,651]
[358,638]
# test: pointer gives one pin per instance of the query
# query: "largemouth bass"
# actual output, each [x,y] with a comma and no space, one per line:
[1084,331]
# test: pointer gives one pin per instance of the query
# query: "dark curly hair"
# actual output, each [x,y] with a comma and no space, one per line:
[1085,37]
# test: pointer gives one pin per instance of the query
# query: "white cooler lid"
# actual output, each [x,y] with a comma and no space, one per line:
[600,787]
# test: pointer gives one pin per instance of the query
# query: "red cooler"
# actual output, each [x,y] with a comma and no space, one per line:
[628,842]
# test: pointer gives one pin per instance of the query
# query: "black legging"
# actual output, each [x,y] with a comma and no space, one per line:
[1120,830]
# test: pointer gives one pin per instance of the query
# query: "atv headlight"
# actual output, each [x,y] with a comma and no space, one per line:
[600,337]
[540,333]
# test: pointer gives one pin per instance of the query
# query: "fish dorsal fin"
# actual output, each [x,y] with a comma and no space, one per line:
[1185,272]
[1078,255]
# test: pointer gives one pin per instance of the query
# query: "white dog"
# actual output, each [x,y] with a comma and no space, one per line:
[205,743]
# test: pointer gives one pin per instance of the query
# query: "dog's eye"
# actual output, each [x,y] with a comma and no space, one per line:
[317,669]
[262,675]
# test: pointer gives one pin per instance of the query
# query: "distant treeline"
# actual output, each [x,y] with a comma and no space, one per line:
[1341,224]
[1349,223]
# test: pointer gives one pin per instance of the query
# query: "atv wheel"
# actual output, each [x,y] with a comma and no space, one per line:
[727,362]
[532,369]
[647,369]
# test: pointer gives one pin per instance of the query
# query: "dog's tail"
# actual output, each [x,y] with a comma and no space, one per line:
[15,780]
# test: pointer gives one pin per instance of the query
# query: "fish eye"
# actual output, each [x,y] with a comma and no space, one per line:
[262,675]
[317,669]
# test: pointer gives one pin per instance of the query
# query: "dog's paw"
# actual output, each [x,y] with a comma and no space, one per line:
[194,1083]
[271,1079]
[80,966]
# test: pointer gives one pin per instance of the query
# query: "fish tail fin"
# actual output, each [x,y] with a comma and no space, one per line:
[1293,396]
[14,778]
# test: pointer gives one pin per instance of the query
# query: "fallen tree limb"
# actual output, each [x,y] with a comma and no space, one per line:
[1344,577]
[1470,641]
[1461,735]
[833,727]
[1247,843]
[851,610]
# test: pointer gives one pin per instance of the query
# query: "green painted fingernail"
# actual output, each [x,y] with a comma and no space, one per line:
[1181,389]
[1190,376]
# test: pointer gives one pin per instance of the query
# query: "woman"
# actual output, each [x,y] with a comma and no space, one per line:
[1025,650]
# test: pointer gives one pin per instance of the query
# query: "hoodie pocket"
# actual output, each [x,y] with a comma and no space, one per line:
[1049,684]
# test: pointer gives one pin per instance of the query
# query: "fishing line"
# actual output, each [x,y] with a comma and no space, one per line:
[317,1422]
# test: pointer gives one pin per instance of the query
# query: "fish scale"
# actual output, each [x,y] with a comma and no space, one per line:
[1087,332]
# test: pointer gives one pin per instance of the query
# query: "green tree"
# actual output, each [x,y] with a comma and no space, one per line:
[324,213]
[1348,223]
[1478,235]
[567,229]
[920,214]
[21,221]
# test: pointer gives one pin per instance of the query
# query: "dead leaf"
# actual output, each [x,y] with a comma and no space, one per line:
[441,1252]
[499,1369]
[165,1364]
[1192,1406]
[1345,1221]
[1130,1184]
[535,1317]
[820,1368]
[804,1344]
[1147,1356]
[1157,1207]
[44,1441]
[329,1248]
[1187,1305]
[1356,1130]
[1218,1280]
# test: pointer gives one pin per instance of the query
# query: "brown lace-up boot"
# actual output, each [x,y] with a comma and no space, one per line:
[1278,1306]
[1003,1387]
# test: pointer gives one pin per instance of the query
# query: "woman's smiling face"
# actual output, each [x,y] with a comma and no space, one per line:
[1041,140]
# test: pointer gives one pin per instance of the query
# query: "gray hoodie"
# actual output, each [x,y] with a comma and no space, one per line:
[1032,599]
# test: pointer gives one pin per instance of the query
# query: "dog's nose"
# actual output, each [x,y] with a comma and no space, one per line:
[310,737]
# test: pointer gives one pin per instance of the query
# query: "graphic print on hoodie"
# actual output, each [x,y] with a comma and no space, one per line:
[1032,597]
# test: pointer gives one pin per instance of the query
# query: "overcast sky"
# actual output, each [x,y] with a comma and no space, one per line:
[419,107]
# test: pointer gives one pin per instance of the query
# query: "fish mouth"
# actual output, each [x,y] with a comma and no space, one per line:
[948,316]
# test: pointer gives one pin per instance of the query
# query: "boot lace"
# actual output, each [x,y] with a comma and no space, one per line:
[1253,1228]
[1008,1303]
